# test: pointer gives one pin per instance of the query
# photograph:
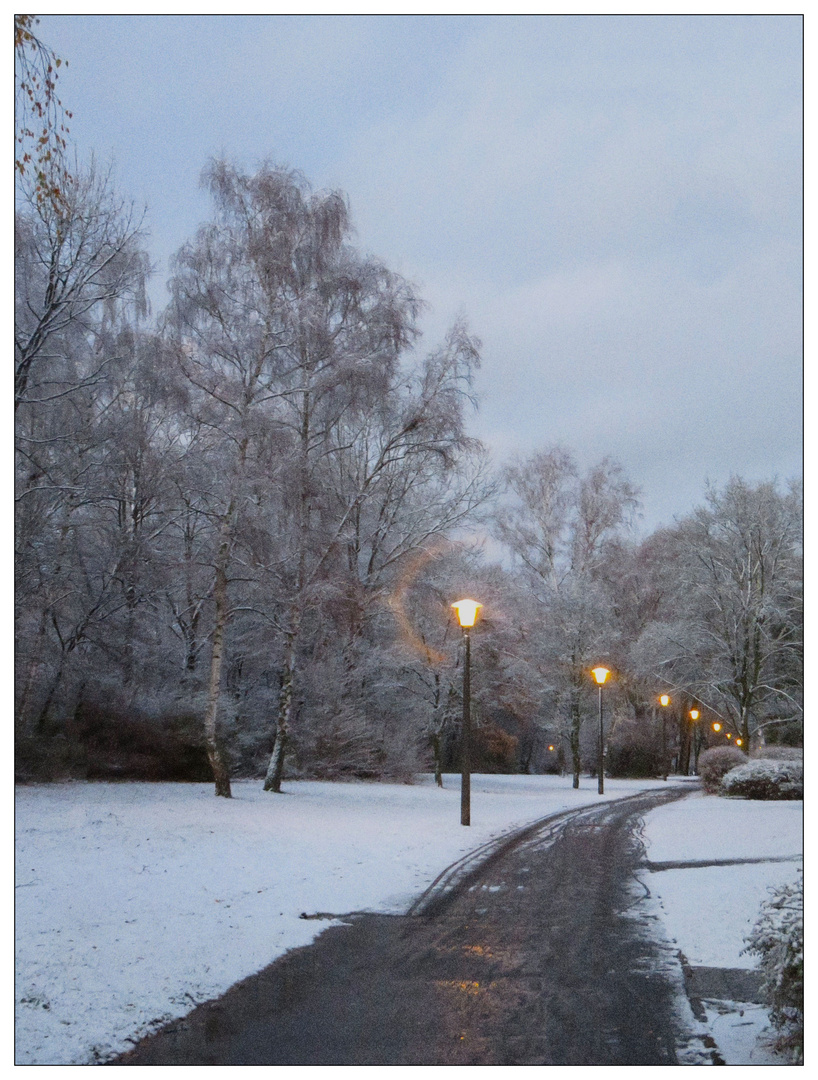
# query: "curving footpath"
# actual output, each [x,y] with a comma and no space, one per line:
[531,950]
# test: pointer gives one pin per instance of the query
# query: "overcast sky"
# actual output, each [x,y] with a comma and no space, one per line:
[614,203]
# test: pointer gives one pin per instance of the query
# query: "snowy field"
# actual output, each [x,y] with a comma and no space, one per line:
[135,902]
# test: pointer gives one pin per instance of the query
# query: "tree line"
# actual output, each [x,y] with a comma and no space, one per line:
[240,525]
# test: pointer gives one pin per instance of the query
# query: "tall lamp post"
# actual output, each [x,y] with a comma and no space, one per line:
[694,736]
[664,701]
[601,674]
[467,615]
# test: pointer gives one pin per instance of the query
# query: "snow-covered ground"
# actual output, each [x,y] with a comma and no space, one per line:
[137,901]
[709,909]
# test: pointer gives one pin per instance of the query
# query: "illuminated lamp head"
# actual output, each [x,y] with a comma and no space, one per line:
[467,612]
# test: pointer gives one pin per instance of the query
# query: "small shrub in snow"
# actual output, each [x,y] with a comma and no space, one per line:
[778,939]
[715,763]
[765,780]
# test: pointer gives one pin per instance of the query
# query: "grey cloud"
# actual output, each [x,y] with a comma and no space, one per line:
[614,202]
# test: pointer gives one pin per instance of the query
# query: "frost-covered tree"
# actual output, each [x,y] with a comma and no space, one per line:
[338,456]
[79,282]
[558,524]
[77,265]
[729,631]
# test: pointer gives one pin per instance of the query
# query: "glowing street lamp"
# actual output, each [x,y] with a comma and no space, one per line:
[467,612]
[696,739]
[600,674]
[467,616]
[717,727]
[738,742]
[664,701]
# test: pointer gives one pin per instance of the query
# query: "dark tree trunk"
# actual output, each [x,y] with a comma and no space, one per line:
[685,736]
[576,724]
[41,722]
[436,753]
[440,727]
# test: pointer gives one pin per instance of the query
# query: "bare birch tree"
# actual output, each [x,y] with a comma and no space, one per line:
[731,630]
[79,278]
[557,525]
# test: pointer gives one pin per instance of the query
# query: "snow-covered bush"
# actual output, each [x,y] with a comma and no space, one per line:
[715,763]
[778,939]
[765,780]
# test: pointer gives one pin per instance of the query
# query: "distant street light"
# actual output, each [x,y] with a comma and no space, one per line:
[738,742]
[601,674]
[467,615]
[696,739]
[664,701]
[717,727]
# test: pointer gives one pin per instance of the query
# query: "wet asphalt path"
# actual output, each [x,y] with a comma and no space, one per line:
[532,957]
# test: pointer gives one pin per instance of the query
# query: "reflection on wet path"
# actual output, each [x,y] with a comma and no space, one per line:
[546,968]
[530,962]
